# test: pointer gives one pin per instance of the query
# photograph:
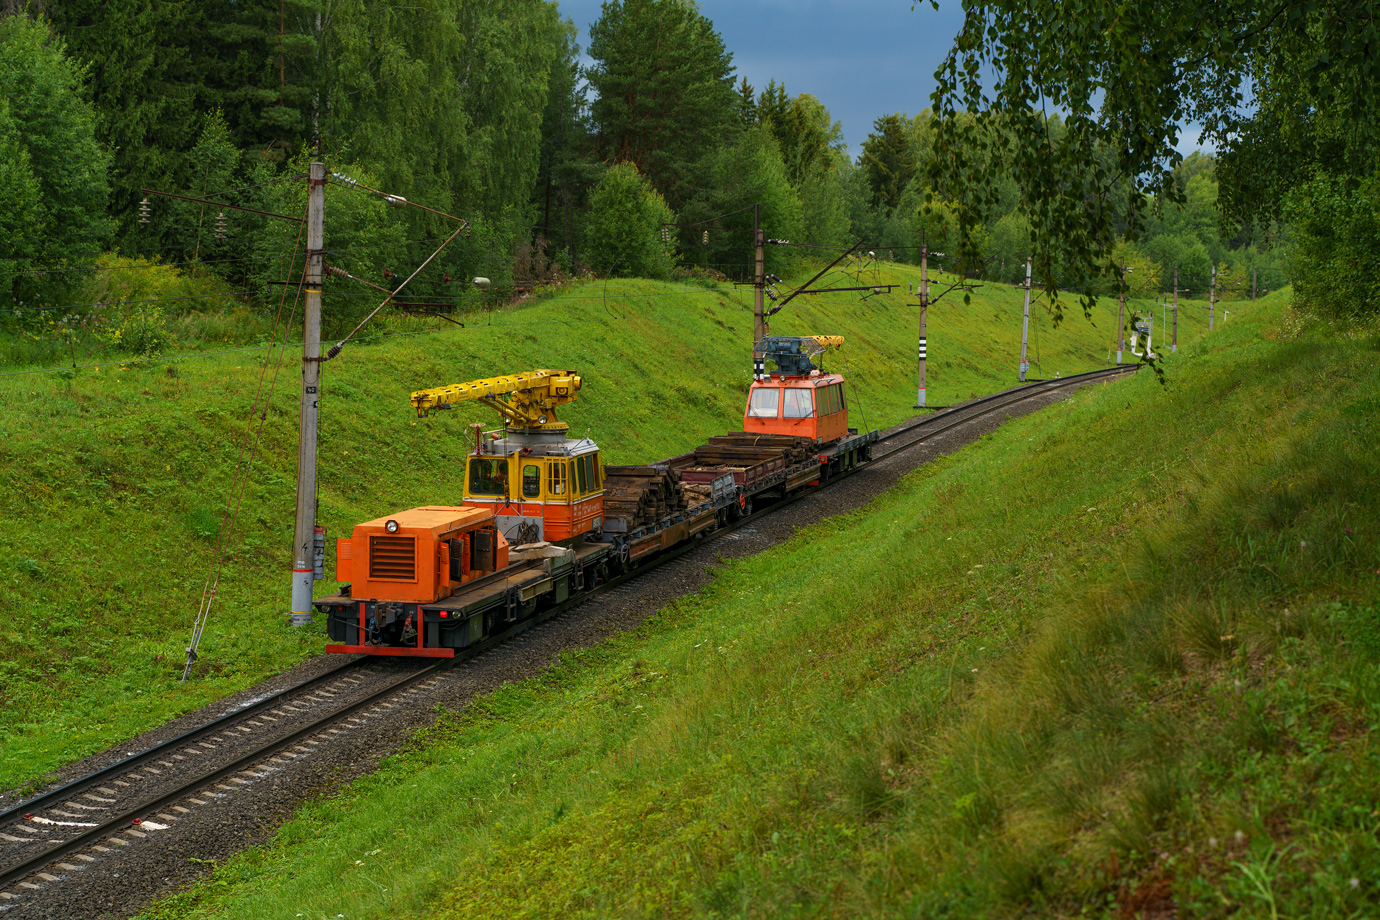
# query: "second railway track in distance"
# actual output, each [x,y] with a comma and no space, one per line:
[72,830]
[906,435]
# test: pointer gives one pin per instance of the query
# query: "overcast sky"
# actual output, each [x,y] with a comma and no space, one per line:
[861,58]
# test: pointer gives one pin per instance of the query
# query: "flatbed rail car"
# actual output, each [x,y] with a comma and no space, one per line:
[543,519]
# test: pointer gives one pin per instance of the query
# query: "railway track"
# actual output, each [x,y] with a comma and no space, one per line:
[894,441]
[137,795]
[69,829]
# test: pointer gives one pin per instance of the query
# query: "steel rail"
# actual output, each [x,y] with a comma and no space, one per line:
[942,422]
[989,404]
[123,819]
[81,784]
[34,863]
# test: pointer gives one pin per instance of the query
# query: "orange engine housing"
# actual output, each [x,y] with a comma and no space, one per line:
[803,407]
[432,551]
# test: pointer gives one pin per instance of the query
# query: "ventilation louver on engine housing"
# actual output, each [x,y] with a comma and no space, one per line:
[392,559]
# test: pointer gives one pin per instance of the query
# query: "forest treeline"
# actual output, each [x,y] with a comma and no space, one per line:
[481,110]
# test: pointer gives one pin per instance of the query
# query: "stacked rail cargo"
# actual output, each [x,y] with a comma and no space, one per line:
[757,462]
[641,495]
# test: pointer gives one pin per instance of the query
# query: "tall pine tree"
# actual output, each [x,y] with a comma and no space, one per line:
[52,170]
[665,90]
[143,86]
[888,161]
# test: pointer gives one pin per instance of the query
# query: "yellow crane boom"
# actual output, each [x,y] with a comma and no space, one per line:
[532,397]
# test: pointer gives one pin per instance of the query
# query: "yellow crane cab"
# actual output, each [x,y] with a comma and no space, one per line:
[793,396]
[538,487]
[540,484]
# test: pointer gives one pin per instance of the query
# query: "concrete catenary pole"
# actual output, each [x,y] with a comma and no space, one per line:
[1025,322]
[1212,298]
[924,311]
[759,287]
[759,276]
[304,530]
[1174,345]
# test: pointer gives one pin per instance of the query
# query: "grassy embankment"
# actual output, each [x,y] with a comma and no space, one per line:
[116,477]
[1120,655]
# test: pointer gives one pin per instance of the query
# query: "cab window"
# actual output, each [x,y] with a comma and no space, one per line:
[799,403]
[555,484]
[488,477]
[765,402]
[831,399]
[582,473]
[531,481]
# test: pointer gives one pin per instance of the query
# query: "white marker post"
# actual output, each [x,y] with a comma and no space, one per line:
[924,309]
[1025,322]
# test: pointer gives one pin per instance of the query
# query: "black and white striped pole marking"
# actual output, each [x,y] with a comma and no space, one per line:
[920,392]
[1212,298]
[924,311]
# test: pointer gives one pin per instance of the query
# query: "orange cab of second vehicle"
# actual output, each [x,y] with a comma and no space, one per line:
[805,407]
[421,555]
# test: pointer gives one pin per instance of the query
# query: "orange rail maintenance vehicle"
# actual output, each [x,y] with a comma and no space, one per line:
[542,519]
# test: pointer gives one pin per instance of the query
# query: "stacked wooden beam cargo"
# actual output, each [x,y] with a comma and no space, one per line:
[642,494]
[697,493]
[753,454]
[795,450]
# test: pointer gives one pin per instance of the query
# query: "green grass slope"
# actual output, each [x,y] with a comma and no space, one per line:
[116,478]
[1117,659]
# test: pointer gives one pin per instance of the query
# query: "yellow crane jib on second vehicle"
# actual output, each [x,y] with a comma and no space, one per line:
[532,397]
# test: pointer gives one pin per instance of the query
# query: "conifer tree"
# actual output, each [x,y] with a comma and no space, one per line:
[664,85]
[143,87]
[568,167]
[888,161]
[52,170]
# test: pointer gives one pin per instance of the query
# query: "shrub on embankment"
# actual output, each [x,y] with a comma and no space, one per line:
[1118,659]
